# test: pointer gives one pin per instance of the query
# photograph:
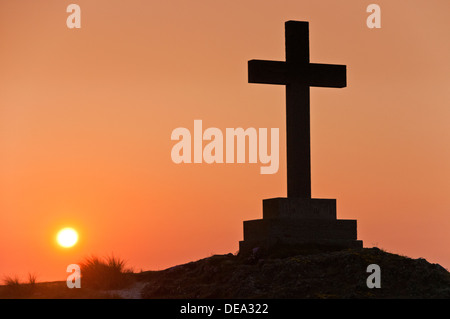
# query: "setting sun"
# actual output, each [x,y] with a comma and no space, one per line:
[67,237]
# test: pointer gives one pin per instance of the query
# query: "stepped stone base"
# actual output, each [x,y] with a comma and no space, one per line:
[298,221]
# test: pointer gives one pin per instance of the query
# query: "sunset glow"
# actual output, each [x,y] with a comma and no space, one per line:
[87,115]
[67,237]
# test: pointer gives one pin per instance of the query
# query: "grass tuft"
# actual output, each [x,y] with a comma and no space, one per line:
[32,278]
[108,273]
[11,281]
[14,288]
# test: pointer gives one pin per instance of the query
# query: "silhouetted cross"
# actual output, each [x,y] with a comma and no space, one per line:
[298,75]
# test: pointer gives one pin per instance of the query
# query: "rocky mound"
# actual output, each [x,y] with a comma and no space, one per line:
[337,274]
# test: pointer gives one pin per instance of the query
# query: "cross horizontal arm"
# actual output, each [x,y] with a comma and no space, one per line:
[267,72]
[278,72]
[328,75]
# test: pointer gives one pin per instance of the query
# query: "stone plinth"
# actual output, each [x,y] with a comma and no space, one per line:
[297,221]
[299,208]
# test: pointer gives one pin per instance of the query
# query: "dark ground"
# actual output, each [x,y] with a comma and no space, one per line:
[282,273]
[338,274]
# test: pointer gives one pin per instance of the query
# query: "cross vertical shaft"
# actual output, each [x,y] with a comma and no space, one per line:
[298,74]
[298,139]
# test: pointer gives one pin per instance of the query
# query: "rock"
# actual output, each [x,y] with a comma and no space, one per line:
[325,274]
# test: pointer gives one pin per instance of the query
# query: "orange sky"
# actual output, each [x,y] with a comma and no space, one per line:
[86,117]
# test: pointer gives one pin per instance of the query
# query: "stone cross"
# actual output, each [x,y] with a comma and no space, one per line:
[298,74]
[298,220]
